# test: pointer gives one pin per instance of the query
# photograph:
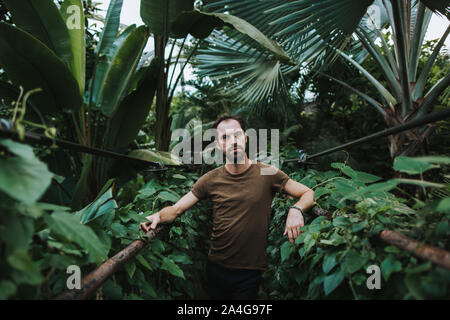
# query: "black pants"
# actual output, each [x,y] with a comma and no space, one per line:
[232,284]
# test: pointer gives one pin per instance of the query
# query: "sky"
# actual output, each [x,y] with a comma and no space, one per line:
[130,15]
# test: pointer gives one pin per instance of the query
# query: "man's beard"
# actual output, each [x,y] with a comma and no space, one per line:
[237,157]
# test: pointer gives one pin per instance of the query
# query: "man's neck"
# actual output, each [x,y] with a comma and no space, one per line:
[236,168]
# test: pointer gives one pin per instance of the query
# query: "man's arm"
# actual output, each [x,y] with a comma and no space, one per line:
[295,220]
[168,214]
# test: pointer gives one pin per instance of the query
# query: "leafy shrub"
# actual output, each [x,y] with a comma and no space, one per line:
[38,240]
[330,258]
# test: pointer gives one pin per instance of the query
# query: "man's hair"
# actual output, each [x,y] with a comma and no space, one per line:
[228,117]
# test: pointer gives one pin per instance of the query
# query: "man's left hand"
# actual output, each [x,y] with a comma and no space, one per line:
[293,224]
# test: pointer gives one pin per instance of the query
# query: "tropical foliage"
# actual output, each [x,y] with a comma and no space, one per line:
[316,33]
[328,260]
[64,77]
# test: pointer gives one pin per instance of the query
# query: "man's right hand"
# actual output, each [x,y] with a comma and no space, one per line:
[154,221]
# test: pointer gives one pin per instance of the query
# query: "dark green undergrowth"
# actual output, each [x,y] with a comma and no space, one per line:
[329,260]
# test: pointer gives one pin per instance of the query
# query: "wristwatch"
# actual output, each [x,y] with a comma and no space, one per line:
[298,208]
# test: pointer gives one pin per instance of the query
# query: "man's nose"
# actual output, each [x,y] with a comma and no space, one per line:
[233,139]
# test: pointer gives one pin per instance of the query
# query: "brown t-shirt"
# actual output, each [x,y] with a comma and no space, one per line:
[241,213]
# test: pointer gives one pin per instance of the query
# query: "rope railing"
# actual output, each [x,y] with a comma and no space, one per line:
[93,281]
[436,255]
[43,140]
[433,117]
[439,256]
[35,138]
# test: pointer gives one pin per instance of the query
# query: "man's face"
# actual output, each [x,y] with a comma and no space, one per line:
[232,140]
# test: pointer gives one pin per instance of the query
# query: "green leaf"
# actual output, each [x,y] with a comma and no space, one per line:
[120,72]
[341,221]
[319,224]
[23,176]
[156,156]
[390,265]
[180,258]
[329,262]
[301,238]
[441,205]
[359,175]
[77,39]
[148,290]
[381,89]
[133,110]
[159,15]
[332,281]
[369,99]
[420,183]
[419,268]
[104,204]
[354,261]
[69,226]
[320,192]
[201,24]
[414,285]
[17,231]
[112,291]
[58,261]
[130,267]
[422,80]
[111,27]
[360,225]
[286,250]
[309,243]
[104,63]
[20,260]
[144,262]
[172,268]
[119,230]
[415,165]
[29,63]
[7,289]
[374,188]
[42,20]
[168,196]
[389,74]
[344,186]
[146,192]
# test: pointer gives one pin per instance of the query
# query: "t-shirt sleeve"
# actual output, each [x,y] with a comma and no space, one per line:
[200,187]
[279,180]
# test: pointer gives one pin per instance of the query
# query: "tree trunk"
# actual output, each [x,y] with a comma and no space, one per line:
[163,121]
[411,142]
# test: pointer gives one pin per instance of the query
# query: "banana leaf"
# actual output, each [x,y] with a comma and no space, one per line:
[133,110]
[158,15]
[41,19]
[121,70]
[77,39]
[156,156]
[29,63]
[103,204]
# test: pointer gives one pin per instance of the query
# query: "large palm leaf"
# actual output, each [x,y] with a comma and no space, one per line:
[294,25]
[313,33]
